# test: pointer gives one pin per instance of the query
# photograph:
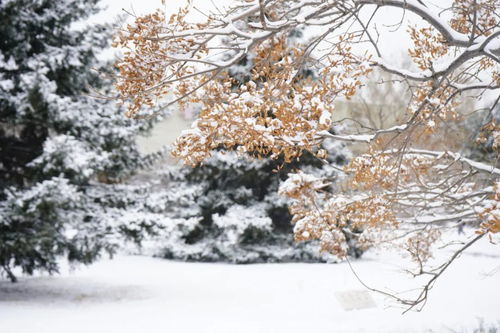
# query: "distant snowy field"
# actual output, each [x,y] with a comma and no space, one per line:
[144,294]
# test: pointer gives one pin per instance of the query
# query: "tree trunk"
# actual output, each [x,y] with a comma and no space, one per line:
[10,275]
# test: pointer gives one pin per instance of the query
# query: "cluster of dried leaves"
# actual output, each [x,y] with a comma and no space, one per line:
[335,219]
[277,112]
[490,211]
[150,68]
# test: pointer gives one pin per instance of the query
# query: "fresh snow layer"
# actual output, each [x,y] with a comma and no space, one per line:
[144,294]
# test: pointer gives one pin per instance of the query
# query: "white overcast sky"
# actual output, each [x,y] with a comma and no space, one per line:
[141,7]
[395,46]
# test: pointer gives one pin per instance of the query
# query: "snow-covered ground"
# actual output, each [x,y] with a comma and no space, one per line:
[144,294]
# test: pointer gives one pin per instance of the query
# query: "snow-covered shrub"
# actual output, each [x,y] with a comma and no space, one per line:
[243,224]
[67,155]
[232,211]
[34,222]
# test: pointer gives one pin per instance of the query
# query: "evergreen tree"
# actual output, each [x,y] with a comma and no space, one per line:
[241,217]
[60,150]
[229,210]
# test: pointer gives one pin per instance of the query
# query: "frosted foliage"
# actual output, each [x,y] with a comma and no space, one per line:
[238,219]
[67,154]
[229,210]
[55,191]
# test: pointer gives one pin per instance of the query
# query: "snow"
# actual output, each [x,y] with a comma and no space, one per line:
[71,153]
[354,137]
[429,15]
[483,167]
[143,294]
[239,218]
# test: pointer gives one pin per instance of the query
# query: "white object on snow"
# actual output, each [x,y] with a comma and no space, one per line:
[355,299]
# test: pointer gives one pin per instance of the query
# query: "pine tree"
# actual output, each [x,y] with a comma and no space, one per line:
[229,209]
[60,150]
